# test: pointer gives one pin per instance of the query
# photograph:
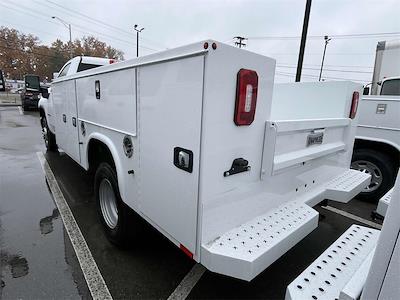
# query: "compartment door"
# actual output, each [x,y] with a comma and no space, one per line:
[64,98]
[170,110]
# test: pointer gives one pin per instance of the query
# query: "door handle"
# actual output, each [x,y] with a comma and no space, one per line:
[74,121]
[183,159]
[64,118]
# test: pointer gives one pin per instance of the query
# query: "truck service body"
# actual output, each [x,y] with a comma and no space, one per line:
[209,152]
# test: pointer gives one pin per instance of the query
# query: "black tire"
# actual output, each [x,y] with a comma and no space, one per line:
[48,136]
[118,234]
[383,168]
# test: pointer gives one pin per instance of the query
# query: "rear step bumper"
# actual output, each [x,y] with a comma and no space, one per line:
[383,203]
[341,271]
[245,251]
[346,186]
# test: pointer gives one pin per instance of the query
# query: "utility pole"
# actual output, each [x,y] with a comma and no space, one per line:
[303,40]
[137,38]
[239,41]
[67,25]
[327,39]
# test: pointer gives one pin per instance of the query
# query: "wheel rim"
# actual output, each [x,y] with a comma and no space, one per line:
[44,132]
[371,169]
[108,203]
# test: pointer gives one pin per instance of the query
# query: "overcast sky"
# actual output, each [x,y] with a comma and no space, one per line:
[173,23]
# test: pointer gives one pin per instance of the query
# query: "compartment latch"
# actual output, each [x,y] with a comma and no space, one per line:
[239,165]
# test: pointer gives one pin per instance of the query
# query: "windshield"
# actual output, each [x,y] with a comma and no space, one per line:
[32,82]
[391,87]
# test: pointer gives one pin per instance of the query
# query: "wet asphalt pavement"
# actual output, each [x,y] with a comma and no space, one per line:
[37,258]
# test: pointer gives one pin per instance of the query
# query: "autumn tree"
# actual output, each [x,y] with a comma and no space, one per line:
[22,54]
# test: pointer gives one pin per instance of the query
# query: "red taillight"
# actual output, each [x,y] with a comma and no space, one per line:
[246,97]
[112,61]
[186,251]
[354,105]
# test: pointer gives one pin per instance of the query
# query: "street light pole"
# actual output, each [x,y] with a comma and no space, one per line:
[67,25]
[323,56]
[137,38]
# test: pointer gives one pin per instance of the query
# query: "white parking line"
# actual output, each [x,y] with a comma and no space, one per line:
[354,217]
[94,280]
[188,283]
[21,112]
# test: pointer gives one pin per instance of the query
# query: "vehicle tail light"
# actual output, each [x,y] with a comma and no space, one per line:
[111,61]
[354,105]
[246,97]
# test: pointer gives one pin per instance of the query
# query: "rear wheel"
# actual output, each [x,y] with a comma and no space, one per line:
[112,211]
[48,137]
[381,169]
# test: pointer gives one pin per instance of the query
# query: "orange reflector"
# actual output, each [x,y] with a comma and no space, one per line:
[186,251]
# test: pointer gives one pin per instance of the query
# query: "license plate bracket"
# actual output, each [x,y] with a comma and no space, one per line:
[315,138]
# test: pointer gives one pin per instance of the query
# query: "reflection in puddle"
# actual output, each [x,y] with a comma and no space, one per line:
[46,223]
[19,266]
[17,263]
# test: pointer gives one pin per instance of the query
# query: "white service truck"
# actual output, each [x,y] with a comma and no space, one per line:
[196,142]
[377,145]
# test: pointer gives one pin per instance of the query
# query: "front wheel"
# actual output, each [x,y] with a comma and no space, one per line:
[111,209]
[381,169]
[48,137]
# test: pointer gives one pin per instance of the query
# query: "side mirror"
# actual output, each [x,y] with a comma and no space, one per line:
[44,92]
[366,90]
[55,75]
[379,82]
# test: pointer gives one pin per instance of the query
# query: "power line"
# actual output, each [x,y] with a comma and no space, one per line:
[338,53]
[30,28]
[316,77]
[338,66]
[94,20]
[331,70]
[335,36]
[76,25]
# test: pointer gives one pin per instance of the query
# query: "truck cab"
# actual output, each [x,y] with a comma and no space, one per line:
[46,104]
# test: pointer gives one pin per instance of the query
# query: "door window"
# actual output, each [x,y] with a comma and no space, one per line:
[64,71]
[391,87]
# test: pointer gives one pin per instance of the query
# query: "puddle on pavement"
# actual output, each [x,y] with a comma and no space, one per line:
[46,223]
[18,265]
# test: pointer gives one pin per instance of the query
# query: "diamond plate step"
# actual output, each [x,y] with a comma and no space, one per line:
[247,250]
[347,185]
[383,203]
[346,260]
